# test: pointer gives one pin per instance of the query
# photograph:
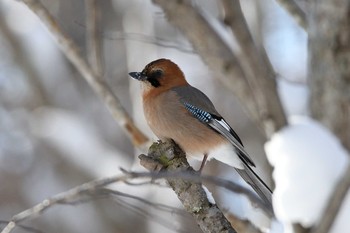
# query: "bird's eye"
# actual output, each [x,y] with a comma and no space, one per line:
[157,73]
[154,77]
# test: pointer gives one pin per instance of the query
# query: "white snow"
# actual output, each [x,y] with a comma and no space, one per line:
[308,161]
[275,227]
[209,195]
[294,97]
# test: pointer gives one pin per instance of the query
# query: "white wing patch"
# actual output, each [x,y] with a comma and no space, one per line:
[224,124]
[223,128]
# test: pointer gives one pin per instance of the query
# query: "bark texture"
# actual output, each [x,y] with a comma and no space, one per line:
[168,157]
[329,65]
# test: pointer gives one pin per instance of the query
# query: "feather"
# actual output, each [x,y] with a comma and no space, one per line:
[263,191]
[200,107]
[220,126]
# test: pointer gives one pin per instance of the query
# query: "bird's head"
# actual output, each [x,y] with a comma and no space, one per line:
[161,74]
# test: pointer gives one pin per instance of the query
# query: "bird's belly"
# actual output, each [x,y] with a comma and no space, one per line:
[190,134]
[197,144]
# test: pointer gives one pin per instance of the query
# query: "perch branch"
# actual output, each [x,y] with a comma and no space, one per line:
[167,157]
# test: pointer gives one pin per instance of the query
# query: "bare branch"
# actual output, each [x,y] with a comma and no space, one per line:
[26,228]
[153,164]
[170,158]
[165,43]
[229,185]
[80,194]
[70,50]
[333,207]
[295,11]
[92,37]
[142,210]
[61,198]
[181,177]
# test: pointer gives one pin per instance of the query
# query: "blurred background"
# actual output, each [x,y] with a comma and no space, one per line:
[55,133]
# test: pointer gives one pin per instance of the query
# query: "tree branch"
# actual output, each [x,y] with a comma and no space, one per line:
[92,37]
[295,11]
[61,198]
[170,160]
[329,73]
[153,164]
[70,50]
[168,157]
[243,225]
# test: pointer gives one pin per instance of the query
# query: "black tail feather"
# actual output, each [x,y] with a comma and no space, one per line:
[259,186]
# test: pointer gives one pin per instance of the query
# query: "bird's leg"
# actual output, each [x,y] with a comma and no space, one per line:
[203,163]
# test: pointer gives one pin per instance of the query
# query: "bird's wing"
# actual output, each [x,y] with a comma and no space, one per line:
[200,107]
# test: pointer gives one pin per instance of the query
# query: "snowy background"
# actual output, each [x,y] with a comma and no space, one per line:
[56,134]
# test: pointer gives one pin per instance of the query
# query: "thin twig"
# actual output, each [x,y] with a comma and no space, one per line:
[97,188]
[334,204]
[158,206]
[93,42]
[229,185]
[78,194]
[163,220]
[149,39]
[161,42]
[70,50]
[295,11]
[26,228]
[61,198]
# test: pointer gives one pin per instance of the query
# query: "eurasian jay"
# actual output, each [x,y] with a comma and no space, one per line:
[176,110]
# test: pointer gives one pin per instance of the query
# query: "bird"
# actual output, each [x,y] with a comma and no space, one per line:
[175,110]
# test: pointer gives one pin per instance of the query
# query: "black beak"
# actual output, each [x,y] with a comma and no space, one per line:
[138,76]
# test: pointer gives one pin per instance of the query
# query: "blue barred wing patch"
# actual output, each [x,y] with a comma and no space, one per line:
[198,113]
